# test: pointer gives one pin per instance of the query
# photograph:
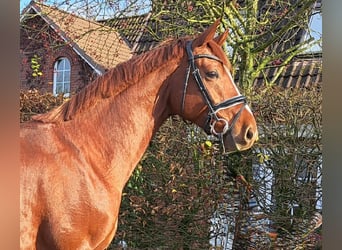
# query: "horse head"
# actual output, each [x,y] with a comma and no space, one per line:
[205,93]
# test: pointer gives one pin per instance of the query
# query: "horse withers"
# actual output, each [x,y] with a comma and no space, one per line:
[77,158]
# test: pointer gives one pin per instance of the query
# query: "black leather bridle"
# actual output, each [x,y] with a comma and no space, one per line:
[213,109]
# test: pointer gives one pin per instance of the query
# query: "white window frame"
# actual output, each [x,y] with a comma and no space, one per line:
[62,76]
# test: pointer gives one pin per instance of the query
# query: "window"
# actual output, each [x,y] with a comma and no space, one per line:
[61,77]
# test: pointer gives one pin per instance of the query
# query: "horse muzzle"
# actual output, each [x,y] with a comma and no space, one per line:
[240,141]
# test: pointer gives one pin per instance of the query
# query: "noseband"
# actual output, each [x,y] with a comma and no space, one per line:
[213,109]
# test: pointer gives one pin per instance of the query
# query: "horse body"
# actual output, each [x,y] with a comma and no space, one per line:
[85,160]
[76,159]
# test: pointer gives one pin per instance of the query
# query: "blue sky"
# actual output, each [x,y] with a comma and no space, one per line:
[107,7]
[316,25]
[23,4]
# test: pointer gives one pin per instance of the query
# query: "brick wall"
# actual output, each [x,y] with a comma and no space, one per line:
[36,38]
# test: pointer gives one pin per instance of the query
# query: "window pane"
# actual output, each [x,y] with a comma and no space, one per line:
[59,77]
[60,65]
[67,87]
[66,76]
[59,88]
[66,64]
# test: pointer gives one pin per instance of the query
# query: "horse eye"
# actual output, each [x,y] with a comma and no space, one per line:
[212,74]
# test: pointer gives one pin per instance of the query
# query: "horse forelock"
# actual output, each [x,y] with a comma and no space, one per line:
[115,81]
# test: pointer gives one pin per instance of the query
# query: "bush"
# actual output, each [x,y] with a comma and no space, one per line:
[290,153]
[32,102]
[174,191]
[182,183]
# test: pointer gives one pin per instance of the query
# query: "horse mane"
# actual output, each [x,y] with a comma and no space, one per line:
[114,81]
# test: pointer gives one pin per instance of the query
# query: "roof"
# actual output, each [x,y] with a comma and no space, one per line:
[304,71]
[138,30]
[99,45]
[144,32]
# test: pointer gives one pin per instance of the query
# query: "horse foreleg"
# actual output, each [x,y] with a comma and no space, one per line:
[105,243]
[28,234]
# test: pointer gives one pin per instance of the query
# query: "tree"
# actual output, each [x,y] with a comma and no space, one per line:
[263,33]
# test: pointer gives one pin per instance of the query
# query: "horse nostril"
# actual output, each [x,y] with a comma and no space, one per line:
[249,134]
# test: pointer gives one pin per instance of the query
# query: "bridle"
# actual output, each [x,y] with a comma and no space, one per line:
[213,117]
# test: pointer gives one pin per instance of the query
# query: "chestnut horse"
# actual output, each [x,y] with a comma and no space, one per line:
[77,158]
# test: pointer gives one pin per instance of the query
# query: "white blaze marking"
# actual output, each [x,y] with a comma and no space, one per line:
[237,90]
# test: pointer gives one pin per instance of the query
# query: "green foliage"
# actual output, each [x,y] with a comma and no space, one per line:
[35,66]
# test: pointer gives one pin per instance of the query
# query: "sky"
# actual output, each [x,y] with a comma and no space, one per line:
[98,9]
[23,4]
[316,26]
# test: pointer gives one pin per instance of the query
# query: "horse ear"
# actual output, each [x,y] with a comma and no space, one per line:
[206,35]
[221,38]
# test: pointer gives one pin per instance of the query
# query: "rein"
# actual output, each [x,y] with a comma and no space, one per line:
[213,117]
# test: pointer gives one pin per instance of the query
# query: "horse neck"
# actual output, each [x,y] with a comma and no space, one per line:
[119,129]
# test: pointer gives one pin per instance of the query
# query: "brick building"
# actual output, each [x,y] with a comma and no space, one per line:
[61,52]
